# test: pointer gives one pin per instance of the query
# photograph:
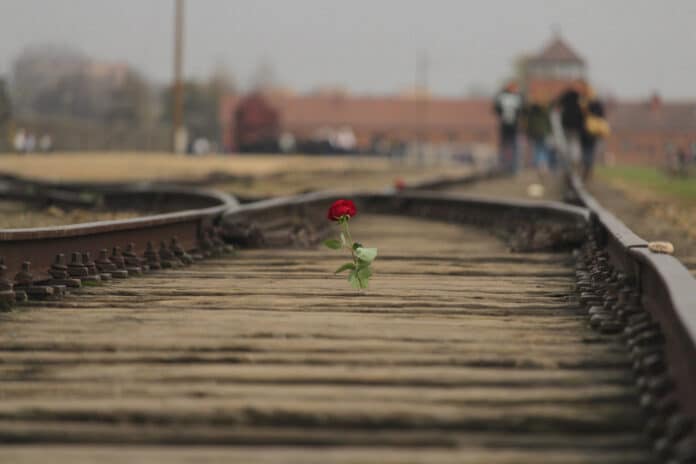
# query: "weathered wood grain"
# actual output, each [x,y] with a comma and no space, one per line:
[460,352]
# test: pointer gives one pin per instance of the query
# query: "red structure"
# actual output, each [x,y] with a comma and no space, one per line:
[256,125]
[553,70]
[650,131]
[642,131]
[391,119]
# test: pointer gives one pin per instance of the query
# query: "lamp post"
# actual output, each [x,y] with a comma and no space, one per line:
[179,135]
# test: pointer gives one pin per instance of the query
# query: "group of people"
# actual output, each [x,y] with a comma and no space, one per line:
[27,142]
[564,133]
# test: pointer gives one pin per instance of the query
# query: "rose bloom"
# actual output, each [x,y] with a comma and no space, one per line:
[341,208]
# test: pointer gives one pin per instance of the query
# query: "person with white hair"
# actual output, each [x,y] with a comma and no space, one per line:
[508,106]
[45,143]
[30,143]
[20,140]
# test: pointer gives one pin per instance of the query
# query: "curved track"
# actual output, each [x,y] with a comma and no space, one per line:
[44,261]
[461,353]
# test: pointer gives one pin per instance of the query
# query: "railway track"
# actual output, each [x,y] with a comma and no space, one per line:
[47,261]
[576,347]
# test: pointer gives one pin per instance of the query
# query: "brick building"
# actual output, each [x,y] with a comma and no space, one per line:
[650,131]
[372,119]
[642,131]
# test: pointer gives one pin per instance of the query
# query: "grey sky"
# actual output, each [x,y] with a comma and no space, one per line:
[633,46]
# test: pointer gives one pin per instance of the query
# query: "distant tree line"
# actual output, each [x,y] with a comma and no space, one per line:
[59,83]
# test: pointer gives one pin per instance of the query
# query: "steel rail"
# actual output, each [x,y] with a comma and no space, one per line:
[27,193]
[189,218]
[645,298]
[617,265]
[190,215]
[405,201]
[558,225]
[443,182]
[667,359]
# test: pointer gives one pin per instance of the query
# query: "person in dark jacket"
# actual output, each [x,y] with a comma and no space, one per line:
[573,122]
[538,127]
[508,106]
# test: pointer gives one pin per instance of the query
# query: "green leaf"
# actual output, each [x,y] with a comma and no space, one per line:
[332,243]
[357,245]
[354,280]
[366,254]
[364,274]
[358,278]
[345,267]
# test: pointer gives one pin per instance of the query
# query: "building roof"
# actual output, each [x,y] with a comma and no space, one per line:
[558,50]
[383,112]
[304,115]
[653,115]
[377,112]
[543,90]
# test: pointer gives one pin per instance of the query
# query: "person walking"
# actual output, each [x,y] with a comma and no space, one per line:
[538,129]
[595,128]
[30,143]
[508,105]
[45,143]
[20,140]
[572,122]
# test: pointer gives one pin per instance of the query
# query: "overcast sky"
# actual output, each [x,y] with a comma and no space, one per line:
[633,47]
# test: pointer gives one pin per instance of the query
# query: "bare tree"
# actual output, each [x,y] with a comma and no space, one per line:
[39,68]
[264,76]
[131,101]
[221,81]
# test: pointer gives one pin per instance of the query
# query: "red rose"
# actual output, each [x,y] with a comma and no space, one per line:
[341,208]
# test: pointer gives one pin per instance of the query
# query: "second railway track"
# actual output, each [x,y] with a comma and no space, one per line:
[579,348]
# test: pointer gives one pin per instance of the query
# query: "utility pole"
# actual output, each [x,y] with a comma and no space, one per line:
[179,136]
[422,68]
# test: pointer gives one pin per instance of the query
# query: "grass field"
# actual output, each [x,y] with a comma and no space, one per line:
[663,205]
[651,180]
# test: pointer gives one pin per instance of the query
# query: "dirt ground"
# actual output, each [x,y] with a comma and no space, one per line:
[651,217]
[19,215]
[134,166]
[518,187]
[254,175]
[249,176]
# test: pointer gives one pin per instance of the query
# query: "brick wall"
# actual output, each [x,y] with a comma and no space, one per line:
[647,147]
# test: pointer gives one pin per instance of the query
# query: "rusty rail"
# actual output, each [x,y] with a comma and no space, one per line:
[447,181]
[187,216]
[629,292]
[621,275]
[45,260]
[544,224]
[53,257]
[28,193]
